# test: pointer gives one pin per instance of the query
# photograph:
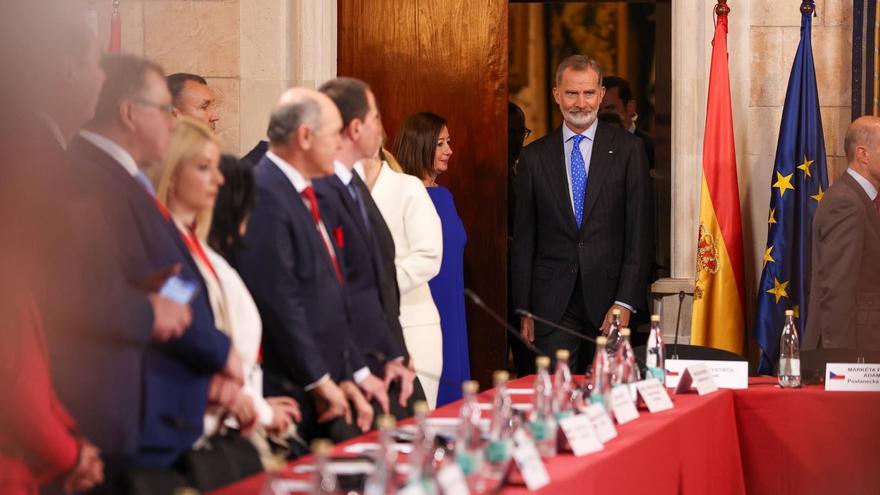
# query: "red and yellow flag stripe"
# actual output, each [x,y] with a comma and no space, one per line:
[718,318]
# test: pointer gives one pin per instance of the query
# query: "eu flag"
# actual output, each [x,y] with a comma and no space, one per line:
[799,180]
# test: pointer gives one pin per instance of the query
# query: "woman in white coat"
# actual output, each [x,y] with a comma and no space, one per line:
[418,243]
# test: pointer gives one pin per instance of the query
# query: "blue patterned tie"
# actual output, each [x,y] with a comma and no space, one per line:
[578,179]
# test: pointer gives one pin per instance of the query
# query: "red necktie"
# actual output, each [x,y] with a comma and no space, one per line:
[309,194]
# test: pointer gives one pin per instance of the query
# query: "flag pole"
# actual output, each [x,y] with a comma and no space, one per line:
[115,30]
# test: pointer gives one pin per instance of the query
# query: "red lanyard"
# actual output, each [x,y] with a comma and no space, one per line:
[195,247]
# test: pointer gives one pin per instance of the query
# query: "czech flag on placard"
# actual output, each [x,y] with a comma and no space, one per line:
[672,373]
[835,376]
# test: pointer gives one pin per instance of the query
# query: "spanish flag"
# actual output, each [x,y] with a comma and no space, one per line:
[719,295]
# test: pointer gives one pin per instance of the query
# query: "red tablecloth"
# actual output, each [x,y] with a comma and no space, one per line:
[691,449]
[808,441]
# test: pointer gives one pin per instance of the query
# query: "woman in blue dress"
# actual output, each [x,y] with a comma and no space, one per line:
[423,149]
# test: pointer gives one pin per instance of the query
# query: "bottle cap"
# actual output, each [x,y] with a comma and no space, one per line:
[386,422]
[542,362]
[655,317]
[563,354]
[321,446]
[499,377]
[624,332]
[615,312]
[470,387]
[789,312]
[420,407]
[602,340]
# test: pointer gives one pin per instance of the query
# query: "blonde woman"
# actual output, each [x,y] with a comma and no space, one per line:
[188,186]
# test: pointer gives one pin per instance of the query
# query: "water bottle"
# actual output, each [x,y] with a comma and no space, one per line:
[382,481]
[563,405]
[500,446]
[655,354]
[626,371]
[421,460]
[600,376]
[613,333]
[323,481]
[789,354]
[468,444]
[542,420]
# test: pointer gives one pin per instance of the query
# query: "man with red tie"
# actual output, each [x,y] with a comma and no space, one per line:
[292,265]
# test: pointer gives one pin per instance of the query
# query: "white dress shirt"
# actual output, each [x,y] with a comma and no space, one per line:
[344,174]
[865,183]
[300,183]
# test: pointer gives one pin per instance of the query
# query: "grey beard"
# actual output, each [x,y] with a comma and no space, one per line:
[582,120]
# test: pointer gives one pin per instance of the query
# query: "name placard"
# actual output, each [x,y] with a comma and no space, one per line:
[852,377]
[581,435]
[654,395]
[726,374]
[602,422]
[623,406]
[529,462]
[699,376]
[451,480]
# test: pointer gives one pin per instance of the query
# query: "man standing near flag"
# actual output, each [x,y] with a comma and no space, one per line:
[845,292]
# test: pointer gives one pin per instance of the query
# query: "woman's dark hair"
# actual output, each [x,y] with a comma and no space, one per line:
[416,143]
[235,202]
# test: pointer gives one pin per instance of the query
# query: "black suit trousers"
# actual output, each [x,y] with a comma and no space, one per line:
[549,340]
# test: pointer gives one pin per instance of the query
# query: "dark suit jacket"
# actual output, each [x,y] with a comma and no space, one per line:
[611,251]
[362,269]
[302,304]
[388,278]
[845,285]
[648,141]
[163,387]
[257,153]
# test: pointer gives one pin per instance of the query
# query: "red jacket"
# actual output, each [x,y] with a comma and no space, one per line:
[37,445]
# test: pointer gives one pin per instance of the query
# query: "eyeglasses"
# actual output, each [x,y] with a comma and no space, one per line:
[163,107]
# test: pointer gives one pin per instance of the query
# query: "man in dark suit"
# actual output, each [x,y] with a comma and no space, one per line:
[844,291]
[141,378]
[366,282]
[582,233]
[294,268]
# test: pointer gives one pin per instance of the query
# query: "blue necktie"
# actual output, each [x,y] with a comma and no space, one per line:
[578,179]
[145,182]
[355,195]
